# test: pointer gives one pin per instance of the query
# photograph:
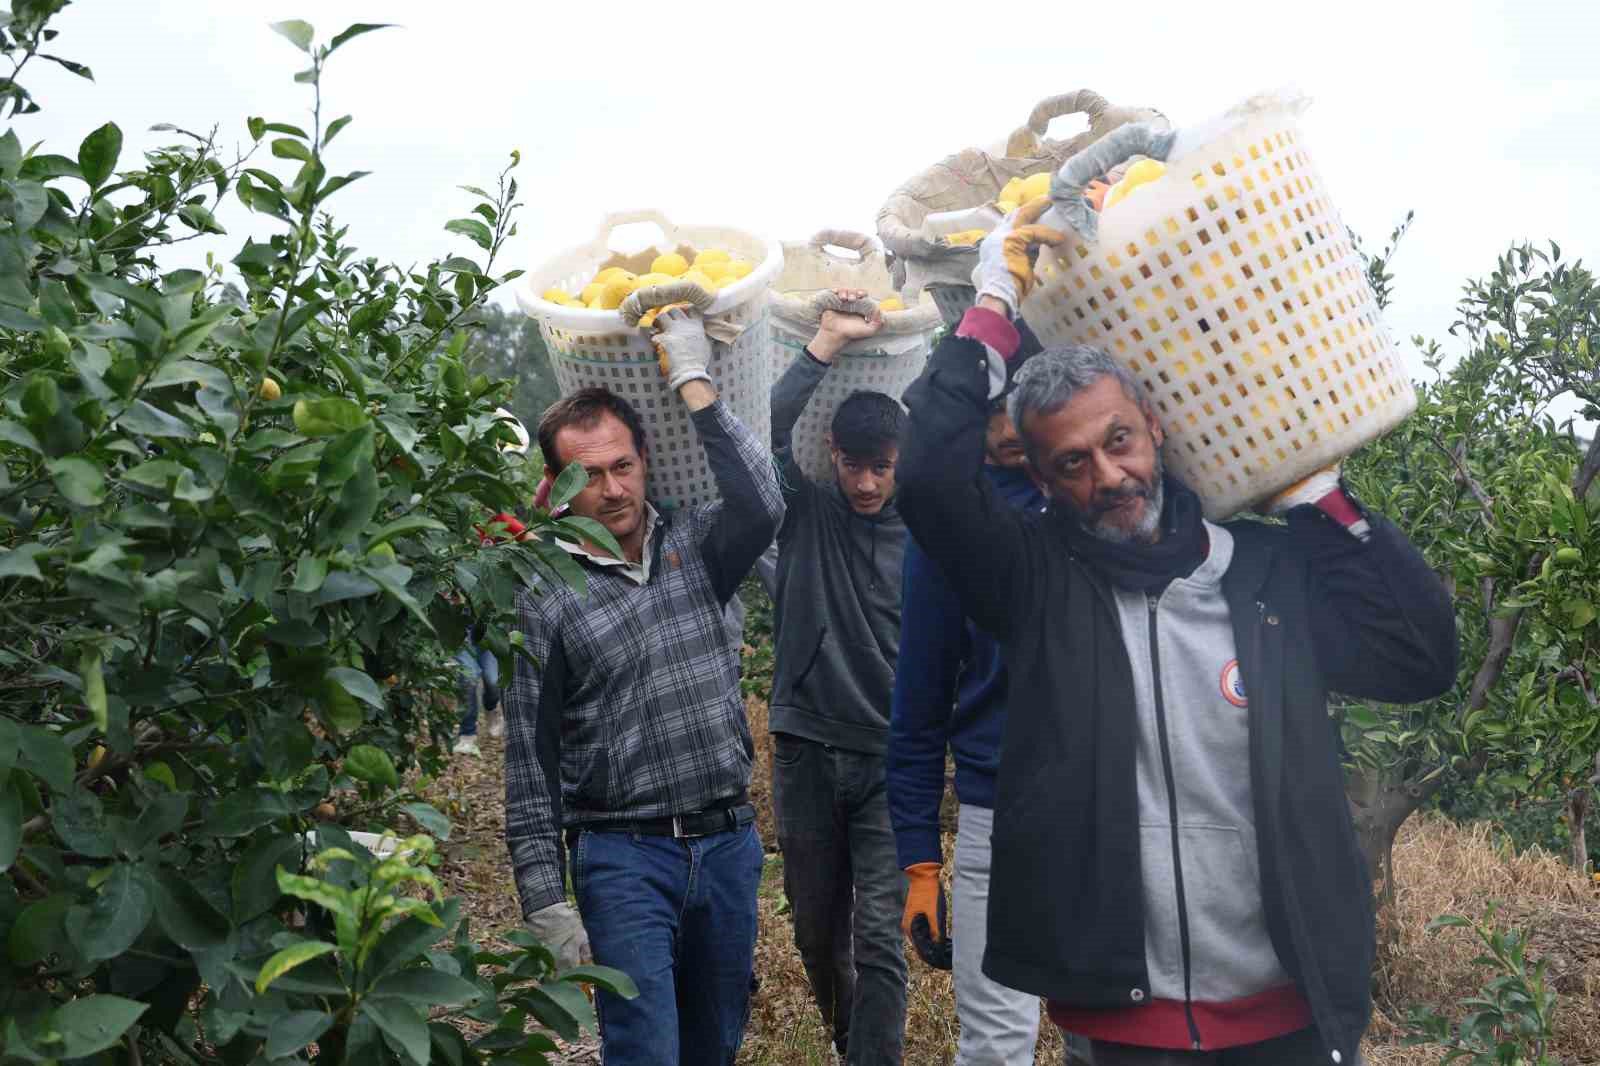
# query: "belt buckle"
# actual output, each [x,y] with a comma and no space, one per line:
[677,828]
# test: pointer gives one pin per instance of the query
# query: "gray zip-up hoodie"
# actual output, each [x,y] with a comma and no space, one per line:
[837,601]
[1182,640]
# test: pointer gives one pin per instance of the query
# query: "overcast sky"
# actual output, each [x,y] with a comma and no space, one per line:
[1481,116]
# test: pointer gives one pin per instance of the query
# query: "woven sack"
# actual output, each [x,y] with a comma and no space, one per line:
[974,177]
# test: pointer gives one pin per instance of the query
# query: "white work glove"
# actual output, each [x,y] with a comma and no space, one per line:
[1005,258]
[560,929]
[681,343]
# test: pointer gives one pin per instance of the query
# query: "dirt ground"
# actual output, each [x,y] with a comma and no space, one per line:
[1442,869]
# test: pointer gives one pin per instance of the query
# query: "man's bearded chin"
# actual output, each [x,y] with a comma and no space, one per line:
[1099,523]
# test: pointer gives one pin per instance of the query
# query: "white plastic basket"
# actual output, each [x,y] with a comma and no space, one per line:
[1230,287]
[888,362]
[597,348]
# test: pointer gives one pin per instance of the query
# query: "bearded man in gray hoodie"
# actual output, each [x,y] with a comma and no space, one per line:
[837,631]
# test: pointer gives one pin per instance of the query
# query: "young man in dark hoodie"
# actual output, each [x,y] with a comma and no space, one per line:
[1175,866]
[837,630]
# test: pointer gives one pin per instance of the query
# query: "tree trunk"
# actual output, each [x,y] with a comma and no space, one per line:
[1380,805]
[1577,811]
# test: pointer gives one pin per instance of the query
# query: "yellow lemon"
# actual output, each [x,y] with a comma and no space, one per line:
[700,278]
[893,303]
[555,296]
[594,304]
[269,390]
[962,238]
[1035,186]
[740,268]
[711,255]
[670,263]
[612,272]
[1012,191]
[613,292]
[1005,207]
[655,277]
[1141,173]
[591,291]
[716,269]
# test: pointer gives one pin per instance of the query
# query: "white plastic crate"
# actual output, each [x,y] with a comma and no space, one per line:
[887,363]
[1232,291]
[597,348]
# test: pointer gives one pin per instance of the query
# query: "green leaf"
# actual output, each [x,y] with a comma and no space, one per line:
[356,29]
[23,437]
[37,933]
[327,416]
[92,669]
[255,881]
[136,296]
[427,988]
[97,155]
[335,126]
[371,764]
[91,1024]
[358,684]
[473,229]
[290,957]
[404,527]
[568,484]
[149,420]
[590,530]
[345,455]
[120,913]
[21,561]
[291,1032]
[429,818]
[187,917]
[297,32]
[614,981]
[402,1027]
[331,898]
[45,755]
[310,573]
[401,432]
[190,371]
[358,503]
[563,1008]
[80,821]
[199,219]
[289,148]
[243,811]
[79,480]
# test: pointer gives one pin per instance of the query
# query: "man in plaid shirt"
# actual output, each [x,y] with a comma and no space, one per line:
[628,740]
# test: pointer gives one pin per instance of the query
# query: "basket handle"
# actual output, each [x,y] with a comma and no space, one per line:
[1116,147]
[1024,140]
[613,219]
[864,246]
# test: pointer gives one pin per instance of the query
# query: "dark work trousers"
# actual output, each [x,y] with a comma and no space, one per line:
[846,892]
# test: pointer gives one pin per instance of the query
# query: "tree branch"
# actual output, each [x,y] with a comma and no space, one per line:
[1588,470]
[1457,456]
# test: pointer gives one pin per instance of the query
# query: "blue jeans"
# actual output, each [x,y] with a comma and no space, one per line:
[476,664]
[679,917]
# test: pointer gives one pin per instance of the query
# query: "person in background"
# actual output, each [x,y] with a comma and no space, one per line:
[1174,864]
[950,694]
[628,741]
[836,633]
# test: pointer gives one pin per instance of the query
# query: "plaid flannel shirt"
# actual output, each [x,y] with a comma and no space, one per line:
[633,710]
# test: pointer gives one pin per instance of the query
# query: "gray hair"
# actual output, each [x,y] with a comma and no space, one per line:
[1048,381]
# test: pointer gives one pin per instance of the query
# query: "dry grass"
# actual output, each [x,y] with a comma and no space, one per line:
[1442,868]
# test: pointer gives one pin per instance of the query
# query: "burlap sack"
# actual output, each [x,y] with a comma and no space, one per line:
[974,176]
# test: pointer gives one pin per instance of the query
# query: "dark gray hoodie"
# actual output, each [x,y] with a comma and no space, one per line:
[837,601]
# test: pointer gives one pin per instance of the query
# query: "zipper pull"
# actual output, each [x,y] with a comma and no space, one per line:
[1152,601]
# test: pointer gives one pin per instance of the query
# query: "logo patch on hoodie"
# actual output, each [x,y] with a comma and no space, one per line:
[1233,684]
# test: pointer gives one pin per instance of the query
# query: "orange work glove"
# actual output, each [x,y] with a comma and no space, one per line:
[926,920]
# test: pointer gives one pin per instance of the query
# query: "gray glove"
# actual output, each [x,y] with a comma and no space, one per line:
[681,342]
[560,929]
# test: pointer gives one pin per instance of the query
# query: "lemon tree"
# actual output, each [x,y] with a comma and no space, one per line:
[239,514]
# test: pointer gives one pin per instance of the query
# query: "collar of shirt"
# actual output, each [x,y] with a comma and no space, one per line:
[638,572]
